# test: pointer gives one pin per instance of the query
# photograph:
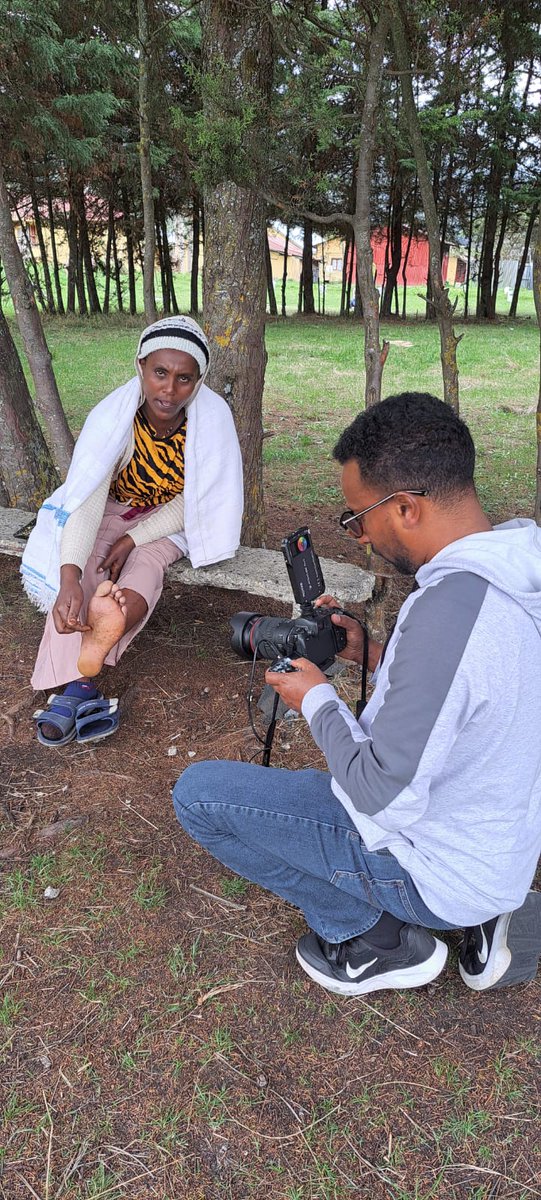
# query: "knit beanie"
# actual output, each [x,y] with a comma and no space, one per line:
[175,333]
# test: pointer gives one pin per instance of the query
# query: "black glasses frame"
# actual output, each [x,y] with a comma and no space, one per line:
[348,517]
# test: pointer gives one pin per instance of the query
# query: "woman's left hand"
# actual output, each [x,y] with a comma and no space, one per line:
[115,559]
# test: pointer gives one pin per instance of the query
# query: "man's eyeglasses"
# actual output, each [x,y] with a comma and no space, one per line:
[352,522]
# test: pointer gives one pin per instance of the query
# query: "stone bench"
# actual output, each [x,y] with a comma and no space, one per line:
[259,572]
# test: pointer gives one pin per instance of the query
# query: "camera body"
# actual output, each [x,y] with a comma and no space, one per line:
[312,635]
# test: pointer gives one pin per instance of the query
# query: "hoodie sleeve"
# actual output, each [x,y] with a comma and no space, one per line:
[376,770]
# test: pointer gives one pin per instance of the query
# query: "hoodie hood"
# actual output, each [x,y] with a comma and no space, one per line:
[508,557]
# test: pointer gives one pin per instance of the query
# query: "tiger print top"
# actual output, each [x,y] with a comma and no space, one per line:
[155,472]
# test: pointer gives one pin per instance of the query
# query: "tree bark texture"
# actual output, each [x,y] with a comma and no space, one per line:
[27,473]
[374,354]
[146,167]
[442,306]
[308,305]
[234,287]
[234,278]
[36,349]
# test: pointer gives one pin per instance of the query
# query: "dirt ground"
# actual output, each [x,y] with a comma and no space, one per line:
[157,1038]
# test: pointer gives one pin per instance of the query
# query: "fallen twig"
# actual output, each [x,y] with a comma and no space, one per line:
[220,899]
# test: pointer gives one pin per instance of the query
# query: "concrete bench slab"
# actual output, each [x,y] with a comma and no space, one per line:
[259,572]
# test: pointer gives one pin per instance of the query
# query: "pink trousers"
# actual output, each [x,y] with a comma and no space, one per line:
[143,571]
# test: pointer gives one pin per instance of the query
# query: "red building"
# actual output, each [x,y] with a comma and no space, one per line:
[417,261]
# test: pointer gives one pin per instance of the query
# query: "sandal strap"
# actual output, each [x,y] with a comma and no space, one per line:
[100,719]
[99,705]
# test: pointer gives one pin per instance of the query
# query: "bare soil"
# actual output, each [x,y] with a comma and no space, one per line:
[157,1038]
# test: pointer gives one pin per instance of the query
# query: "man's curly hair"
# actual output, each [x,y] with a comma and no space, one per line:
[412,440]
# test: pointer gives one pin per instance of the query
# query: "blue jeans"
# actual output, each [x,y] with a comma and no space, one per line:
[287,831]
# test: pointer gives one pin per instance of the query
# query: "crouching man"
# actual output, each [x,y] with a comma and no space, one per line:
[430,815]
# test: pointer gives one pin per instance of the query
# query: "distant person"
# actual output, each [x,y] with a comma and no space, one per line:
[430,817]
[156,474]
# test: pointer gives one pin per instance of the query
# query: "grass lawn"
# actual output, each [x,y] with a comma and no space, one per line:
[314,386]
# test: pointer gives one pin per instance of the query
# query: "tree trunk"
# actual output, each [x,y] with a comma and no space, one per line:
[41,240]
[128,234]
[56,268]
[234,263]
[118,273]
[284,273]
[407,252]
[308,306]
[32,262]
[537,299]
[395,246]
[86,253]
[167,260]
[234,307]
[108,248]
[443,308]
[194,275]
[27,472]
[37,352]
[470,243]
[146,167]
[71,233]
[485,298]
[273,307]
[345,264]
[374,354]
[166,299]
[523,259]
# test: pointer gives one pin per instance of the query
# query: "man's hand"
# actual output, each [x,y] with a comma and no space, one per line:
[69,601]
[355,636]
[292,686]
[353,651]
[115,559]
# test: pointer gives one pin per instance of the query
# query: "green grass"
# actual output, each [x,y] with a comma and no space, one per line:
[315,385]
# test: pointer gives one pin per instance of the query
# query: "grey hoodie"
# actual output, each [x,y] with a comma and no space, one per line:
[444,766]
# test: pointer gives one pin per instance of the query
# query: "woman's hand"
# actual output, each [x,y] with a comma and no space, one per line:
[115,559]
[354,647]
[69,601]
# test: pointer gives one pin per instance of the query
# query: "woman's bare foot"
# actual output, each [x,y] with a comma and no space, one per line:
[107,619]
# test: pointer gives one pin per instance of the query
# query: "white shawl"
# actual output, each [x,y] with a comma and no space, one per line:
[213,492]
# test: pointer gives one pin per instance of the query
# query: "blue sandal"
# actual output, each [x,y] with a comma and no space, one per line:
[96,719]
[61,712]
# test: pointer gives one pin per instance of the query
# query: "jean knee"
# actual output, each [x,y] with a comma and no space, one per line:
[198,782]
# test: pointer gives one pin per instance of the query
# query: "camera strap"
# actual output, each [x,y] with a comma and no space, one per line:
[363,701]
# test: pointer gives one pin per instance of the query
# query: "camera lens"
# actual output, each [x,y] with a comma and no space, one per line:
[241,626]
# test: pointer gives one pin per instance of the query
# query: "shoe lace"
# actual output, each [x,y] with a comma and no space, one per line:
[335,952]
[470,942]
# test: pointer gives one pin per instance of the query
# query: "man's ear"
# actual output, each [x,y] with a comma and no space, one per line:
[410,509]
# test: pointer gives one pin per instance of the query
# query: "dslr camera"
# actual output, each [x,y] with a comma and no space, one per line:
[312,635]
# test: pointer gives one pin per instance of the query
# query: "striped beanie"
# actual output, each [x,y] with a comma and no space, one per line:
[176,333]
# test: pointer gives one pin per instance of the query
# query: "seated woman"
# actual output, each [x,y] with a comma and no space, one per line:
[156,473]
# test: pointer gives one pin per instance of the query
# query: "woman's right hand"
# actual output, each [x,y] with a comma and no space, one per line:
[354,647]
[69,602]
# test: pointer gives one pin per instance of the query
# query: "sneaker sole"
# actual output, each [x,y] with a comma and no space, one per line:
[515,950]
[408,977]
